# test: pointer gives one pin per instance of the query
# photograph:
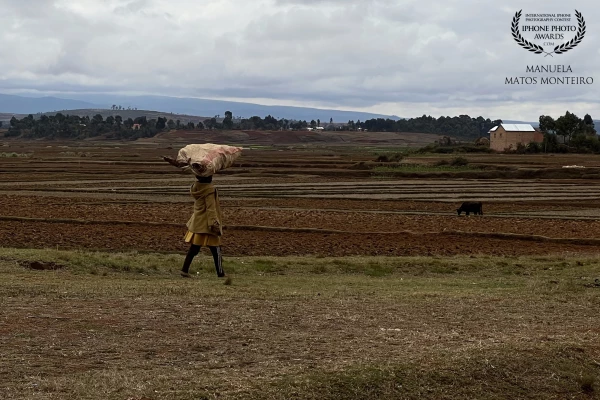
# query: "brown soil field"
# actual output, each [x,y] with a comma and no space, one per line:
[274,138]
[121,237]
[303,201]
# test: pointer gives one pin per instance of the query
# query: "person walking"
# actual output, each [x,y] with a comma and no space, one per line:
[205,227]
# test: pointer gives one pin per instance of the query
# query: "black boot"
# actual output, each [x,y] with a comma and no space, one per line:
[216,253]
[192,252]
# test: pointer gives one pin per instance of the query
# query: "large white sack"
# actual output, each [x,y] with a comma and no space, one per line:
[206,159]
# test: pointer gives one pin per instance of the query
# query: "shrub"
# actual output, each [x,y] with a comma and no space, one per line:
[11,133]
[534,147]
[395,157]
[459,162]
[585,143]
[520,148]
[14,155]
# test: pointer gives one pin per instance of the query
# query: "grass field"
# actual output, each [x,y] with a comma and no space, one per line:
[126,326]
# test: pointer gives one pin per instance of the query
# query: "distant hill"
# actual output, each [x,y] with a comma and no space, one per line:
[90,112]
[184,106]
[31,105]
[193,106]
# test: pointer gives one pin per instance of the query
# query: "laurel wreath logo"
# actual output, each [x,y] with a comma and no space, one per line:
[576,40]
[534,48]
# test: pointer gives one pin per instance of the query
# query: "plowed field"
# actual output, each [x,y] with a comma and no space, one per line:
[286,203]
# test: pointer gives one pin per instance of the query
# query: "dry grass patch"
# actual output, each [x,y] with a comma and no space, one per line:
[125,325]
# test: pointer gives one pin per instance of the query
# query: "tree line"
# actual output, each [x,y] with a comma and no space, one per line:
[576,134]
[75,127]
[462,126]
[119,107]
[115,127]
[72,126]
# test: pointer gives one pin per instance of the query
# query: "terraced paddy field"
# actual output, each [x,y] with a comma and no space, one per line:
[351,279]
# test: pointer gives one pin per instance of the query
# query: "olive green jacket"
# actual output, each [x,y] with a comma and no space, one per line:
[207,217]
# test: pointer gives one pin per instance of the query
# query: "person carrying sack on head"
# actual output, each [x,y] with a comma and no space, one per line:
[205,227]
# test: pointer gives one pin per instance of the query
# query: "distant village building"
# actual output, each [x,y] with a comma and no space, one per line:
[508,136]
[136,127]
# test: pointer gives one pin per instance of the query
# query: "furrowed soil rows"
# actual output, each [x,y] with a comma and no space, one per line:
[256,243]
[286,190]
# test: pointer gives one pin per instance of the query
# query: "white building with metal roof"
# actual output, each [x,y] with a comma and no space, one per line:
[515,128]
[508,136]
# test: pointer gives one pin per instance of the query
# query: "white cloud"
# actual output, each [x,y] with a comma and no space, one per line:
[399,57]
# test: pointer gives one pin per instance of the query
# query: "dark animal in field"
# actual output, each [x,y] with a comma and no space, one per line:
[468,207]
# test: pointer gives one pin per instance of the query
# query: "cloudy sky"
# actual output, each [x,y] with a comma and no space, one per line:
[402,57]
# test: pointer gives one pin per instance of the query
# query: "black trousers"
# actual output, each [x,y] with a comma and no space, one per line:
[193,252]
